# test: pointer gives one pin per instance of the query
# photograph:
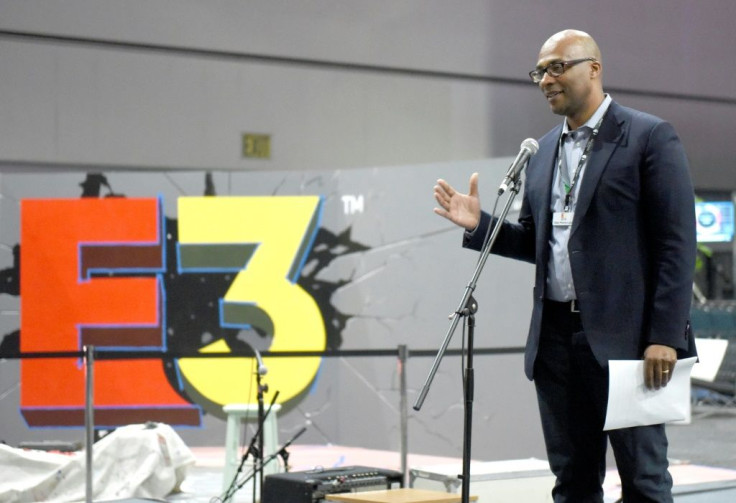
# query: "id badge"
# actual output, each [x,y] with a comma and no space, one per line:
[562,218]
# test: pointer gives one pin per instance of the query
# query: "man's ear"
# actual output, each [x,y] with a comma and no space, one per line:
[595,69]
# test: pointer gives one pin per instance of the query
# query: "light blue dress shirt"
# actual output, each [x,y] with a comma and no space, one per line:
[560,285]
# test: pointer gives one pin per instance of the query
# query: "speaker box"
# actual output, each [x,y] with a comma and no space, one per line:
[313,485]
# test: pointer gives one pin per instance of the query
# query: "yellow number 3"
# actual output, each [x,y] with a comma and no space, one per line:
[264,241]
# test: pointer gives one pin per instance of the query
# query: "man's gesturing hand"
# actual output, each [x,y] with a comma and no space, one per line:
[460,209]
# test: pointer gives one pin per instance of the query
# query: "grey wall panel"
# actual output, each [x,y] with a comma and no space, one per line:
[99,107]
[663,45]
[163,84]
[113,108]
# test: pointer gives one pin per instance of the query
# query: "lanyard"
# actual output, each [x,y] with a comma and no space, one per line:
[569,187]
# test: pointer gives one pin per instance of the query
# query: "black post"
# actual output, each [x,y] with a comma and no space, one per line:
[469,386]
[260,455]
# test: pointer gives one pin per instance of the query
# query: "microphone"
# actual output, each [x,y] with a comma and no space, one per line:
[529,147]
[262,369]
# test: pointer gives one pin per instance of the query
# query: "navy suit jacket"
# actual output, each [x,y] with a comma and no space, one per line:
[632,242]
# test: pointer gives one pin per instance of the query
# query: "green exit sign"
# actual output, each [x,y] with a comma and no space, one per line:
[257,146]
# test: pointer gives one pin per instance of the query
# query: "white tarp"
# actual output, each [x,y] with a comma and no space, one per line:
[141,461]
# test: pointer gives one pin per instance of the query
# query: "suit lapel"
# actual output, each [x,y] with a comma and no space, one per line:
[608,139]
[540,184]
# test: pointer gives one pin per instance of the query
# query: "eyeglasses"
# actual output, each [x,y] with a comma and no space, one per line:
[555,69]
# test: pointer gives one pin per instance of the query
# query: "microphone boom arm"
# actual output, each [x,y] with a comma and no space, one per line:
[469,289]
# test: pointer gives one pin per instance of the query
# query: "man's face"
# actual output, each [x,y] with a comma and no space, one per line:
[568,94]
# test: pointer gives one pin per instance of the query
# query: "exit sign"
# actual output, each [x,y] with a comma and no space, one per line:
[257,146]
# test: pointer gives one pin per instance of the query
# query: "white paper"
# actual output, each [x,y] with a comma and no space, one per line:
[710,356]
[631,403]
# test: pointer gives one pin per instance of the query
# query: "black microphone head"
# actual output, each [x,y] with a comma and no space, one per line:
[531,145]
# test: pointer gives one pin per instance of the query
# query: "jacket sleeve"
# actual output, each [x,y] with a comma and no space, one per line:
[515,240]
[668,213]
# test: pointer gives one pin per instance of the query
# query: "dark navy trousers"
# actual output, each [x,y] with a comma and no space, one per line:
[572,391]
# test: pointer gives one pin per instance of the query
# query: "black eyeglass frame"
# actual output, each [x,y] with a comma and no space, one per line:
[538,73]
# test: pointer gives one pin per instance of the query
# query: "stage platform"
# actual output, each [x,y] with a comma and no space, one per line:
[702,462]
[693,483]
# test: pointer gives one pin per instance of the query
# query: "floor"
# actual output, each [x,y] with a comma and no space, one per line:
[702,455]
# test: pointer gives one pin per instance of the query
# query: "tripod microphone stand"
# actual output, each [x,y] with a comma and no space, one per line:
[251,450]
[256,448]
[280,452]
[467,308]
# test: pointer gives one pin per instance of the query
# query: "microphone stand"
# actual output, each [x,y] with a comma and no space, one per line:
[284,453]
[258,458]
[252,449]
[271,457]
[468,307]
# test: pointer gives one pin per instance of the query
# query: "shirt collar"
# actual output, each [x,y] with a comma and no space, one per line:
[590,123]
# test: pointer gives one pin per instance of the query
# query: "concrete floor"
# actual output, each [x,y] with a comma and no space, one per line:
[709,439]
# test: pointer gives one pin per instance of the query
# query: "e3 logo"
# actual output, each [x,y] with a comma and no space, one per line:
[92,273]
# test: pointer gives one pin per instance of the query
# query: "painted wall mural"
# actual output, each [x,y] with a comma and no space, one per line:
[169,273]
[113,271]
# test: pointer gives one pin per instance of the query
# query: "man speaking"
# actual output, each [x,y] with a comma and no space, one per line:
[608,219]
